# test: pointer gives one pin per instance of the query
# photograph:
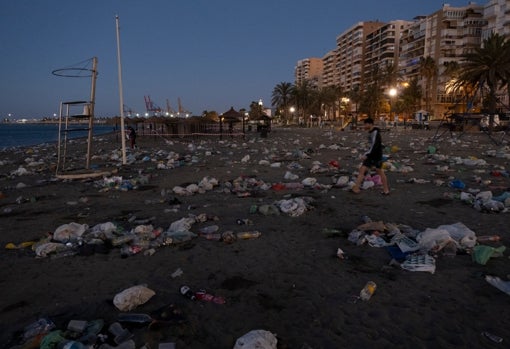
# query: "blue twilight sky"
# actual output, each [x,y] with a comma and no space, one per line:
[212,54]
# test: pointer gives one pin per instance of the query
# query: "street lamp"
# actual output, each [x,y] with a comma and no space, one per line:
[392,93]
[221,126]
[245,118]
[344,105]
[292,111]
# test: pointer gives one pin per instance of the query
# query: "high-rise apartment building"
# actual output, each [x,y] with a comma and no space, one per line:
[497,14]
[309,69]
[351,50]
[469,30]
[330,74]
[445,36]
[383,46]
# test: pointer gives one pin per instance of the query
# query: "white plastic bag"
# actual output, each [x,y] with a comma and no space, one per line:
[71,231]
[132,297]
[257,339]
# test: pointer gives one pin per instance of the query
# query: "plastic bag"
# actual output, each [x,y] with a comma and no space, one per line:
[257,339]
[481,253]
[132,297]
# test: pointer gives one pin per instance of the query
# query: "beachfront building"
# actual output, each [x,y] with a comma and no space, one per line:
[310,70]
[444,36]
[383,49]
[330,73]
[351,53]
[497,15]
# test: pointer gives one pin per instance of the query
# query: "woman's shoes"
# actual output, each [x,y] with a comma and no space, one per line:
[385,193]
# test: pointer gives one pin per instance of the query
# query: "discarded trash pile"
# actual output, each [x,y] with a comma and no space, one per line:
[78,239]
[82,334]
[262,182]
[414,250]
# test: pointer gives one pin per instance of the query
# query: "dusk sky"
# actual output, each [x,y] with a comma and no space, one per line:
[212,54]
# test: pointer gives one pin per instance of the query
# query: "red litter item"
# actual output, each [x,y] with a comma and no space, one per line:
[334,163]
[278,186]
[207,297]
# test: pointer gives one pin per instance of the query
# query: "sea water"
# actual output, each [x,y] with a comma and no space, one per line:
[20,135]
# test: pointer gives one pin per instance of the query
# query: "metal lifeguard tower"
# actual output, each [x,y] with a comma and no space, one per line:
[76,116]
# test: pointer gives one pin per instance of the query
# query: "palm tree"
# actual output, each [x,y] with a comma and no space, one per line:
[282,96]
[391,75]
[488,66]
[303,97]
[323,100]
[373,95]
[331,100]
[428,70]
[355,96]
[411,96]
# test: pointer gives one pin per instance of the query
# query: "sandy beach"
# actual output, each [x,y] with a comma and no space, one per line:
[289,280]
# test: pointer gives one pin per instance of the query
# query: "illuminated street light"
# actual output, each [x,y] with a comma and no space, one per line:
[345,103]
[292,111]
[392,93]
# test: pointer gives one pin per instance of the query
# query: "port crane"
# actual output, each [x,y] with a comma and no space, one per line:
[150,106]
[169,109]
[182,111]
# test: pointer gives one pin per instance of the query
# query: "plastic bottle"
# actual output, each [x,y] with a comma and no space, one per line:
[331,231]
[209,229]
[63,254]
[492,337]
[245,235]
[120,240]
[135,318]
[214,236]
[187,292]
[71,345]
[367,291]
[485,238]
[40,326]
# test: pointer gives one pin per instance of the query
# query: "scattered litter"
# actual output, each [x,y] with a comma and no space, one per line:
[132,297]
[419,262]
[498,283]
[178,272]
[481,253]
[256,339]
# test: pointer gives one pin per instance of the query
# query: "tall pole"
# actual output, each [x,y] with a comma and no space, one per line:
[121,96]
[90,110]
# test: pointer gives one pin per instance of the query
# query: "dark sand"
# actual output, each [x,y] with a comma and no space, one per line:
[288,281]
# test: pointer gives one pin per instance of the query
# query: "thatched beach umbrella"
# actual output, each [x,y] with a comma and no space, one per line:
[231,116]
